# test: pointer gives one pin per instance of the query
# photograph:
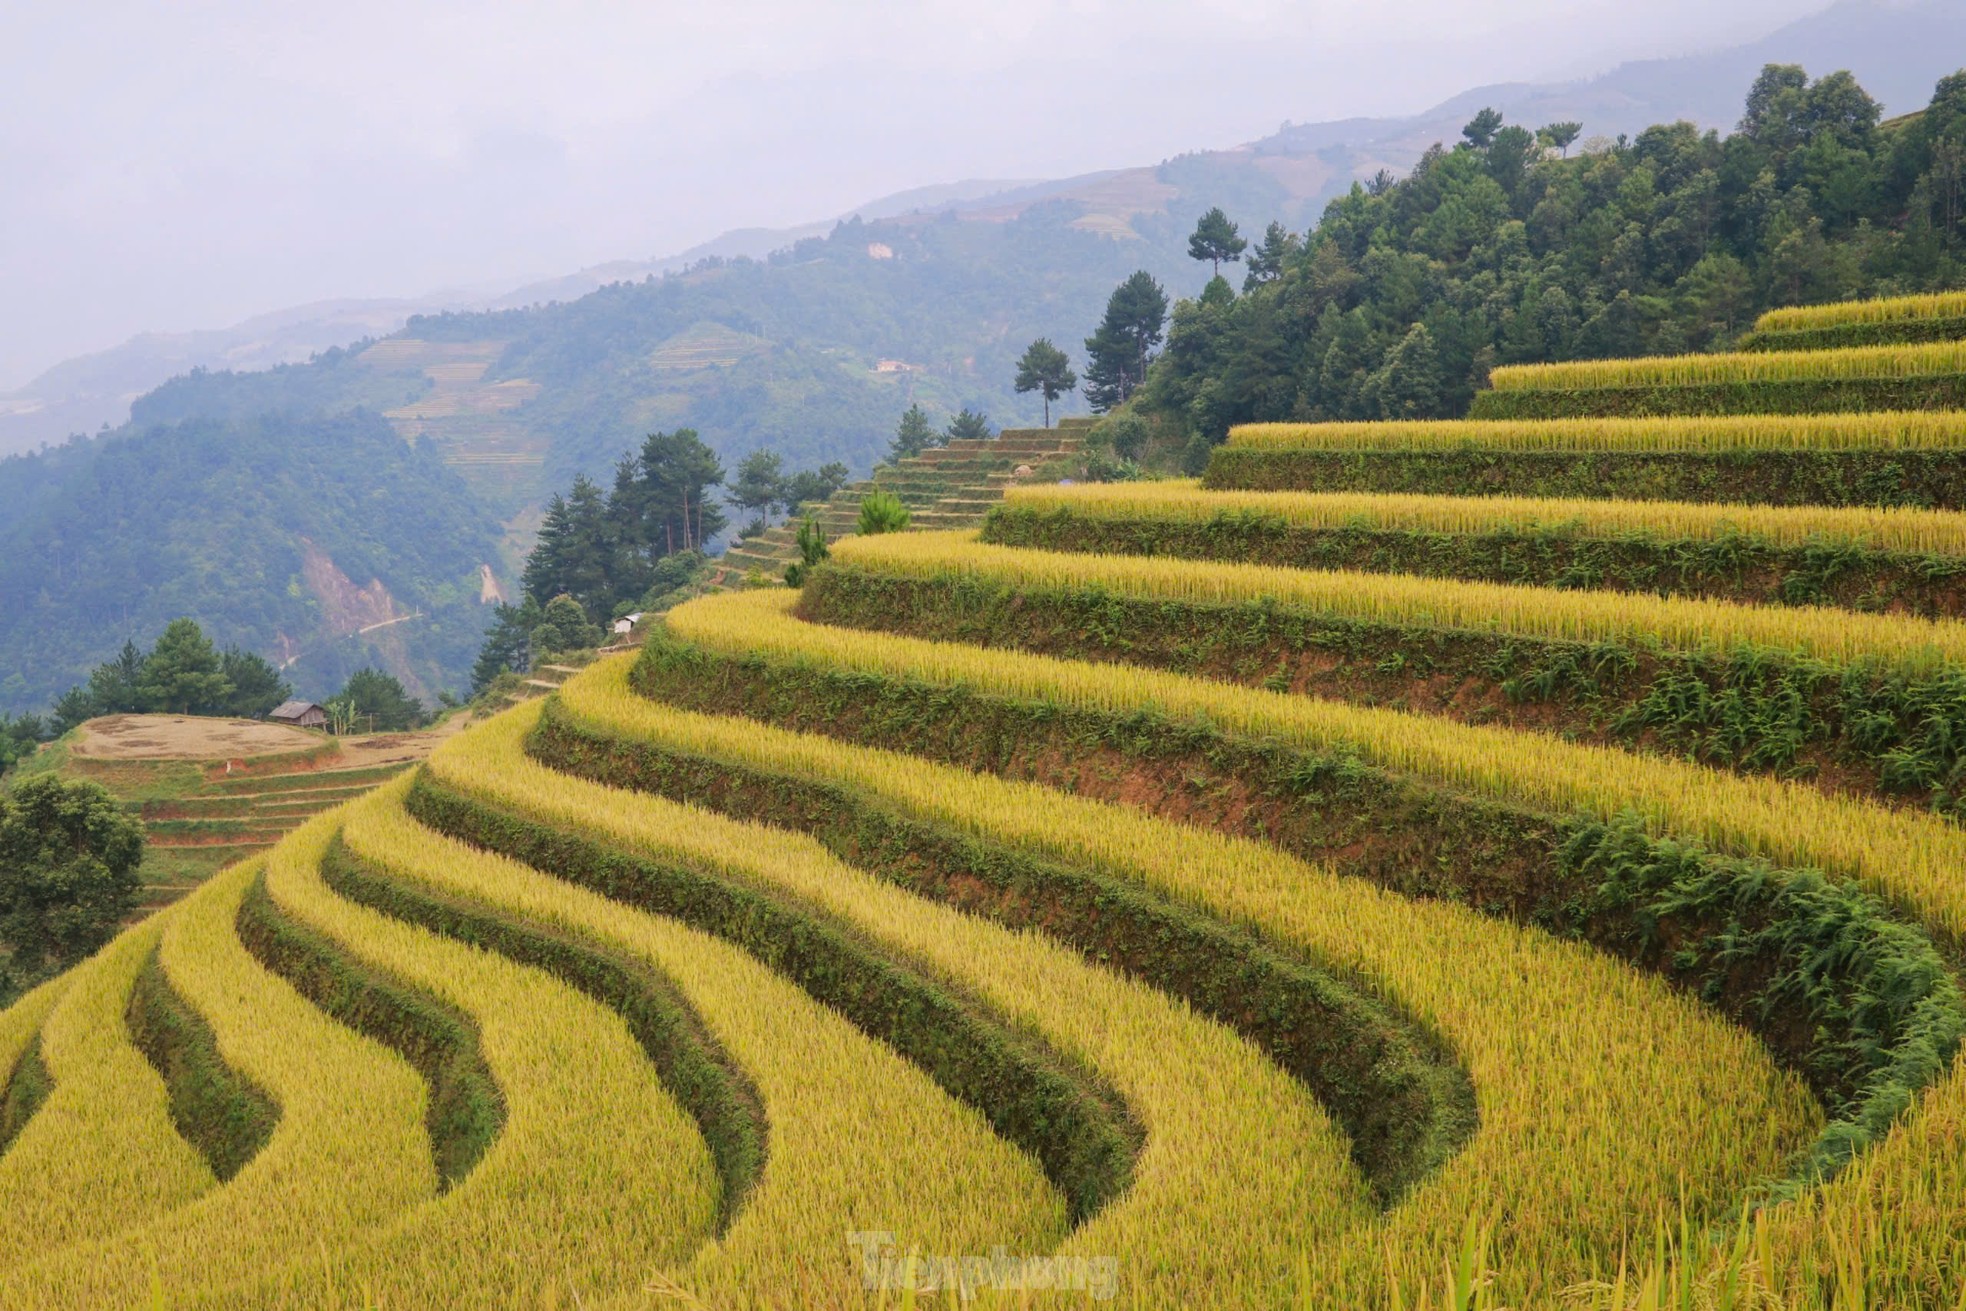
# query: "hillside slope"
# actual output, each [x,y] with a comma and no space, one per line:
[289,537]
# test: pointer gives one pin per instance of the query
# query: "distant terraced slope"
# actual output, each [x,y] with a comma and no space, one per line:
[1267,893]
[950,486]
[467,418]
[212,792]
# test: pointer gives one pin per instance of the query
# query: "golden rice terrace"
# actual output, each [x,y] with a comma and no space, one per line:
[1514,863]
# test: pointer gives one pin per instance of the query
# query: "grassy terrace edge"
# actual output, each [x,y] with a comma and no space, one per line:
[1730,566]
[717,1094]
[1883,1010]
[1846,336]
[1061,1114]
[216,1108]
[1802,395]
[1920,479]
[27,1087]
[465,1111]
[1860,725]
[1404,1103]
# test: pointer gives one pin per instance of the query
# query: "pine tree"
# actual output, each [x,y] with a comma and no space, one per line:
[376,701]
[113,686]
[256,685]
[810,485]
[970,426]
[671,509]
[1408,385]
[760,483]
[183,674]
[508,643]
[912,436]
[1046,370]
[1267,260]
[1118,353]
[1216,240]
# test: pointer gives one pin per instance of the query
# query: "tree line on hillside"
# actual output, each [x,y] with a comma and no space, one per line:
[231,521]
[915,434]
[1508,248]
[601,554]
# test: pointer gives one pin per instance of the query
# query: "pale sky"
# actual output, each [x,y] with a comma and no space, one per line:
[187,165]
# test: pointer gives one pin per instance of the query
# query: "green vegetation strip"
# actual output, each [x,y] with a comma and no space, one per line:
[465,1111]
[1846,336]
[1771,396]
[717,1094]
[1862,1005]
[309,780]
[219,1111]
[1927,479]
[1732,566]
[1863,726]
[27,1087]
[1065,1117]
[1404,1103]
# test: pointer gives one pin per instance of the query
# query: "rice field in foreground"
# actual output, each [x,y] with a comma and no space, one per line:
[1176,895]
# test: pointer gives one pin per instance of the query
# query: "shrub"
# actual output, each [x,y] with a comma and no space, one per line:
[882,512]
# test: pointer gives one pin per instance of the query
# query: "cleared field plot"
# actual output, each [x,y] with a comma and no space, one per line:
[187,737]
[706,346]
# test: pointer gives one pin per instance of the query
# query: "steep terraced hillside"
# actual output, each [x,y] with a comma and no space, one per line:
[1296,889]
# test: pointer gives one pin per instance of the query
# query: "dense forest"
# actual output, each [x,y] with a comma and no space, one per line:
[114,537]
[1514,246]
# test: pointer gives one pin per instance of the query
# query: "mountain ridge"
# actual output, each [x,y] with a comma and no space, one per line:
[1895,49]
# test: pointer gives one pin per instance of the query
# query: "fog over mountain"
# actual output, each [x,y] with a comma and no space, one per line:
[190,166]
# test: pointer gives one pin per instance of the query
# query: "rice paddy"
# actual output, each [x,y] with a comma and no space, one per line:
[1130,904]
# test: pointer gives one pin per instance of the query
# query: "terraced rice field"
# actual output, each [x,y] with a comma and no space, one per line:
[466,416]
[1271,891]
[215,792]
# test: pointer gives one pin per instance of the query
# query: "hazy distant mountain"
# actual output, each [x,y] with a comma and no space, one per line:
[1897,48]
[1898,51]
[83,394]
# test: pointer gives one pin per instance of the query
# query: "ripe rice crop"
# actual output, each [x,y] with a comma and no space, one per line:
[1213,1107]
[1931,360]
[1908,858]
[1898,1215]
[349,1152]
[101,1152]
[1939,305]
[1877,430]
[1476,980]
[595,1157]
[1924,532]
[1673,623]
[860,1139]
